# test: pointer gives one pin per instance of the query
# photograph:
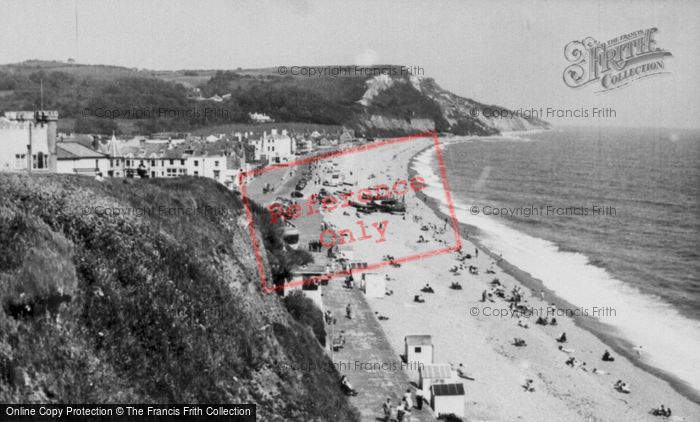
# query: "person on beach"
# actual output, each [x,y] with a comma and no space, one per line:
[348,312]
[386,408]
[394,414]
[622,387]
[419,399]
[638,349]
[400,412]
[562,338]
[346,386]
[607,357]
[408,400]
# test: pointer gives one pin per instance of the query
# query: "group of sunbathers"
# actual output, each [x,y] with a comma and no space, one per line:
[661,411]
[546,321]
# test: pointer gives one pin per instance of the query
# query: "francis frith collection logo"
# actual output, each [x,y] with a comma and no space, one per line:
[614,63]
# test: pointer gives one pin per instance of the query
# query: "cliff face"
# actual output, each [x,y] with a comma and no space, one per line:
[454,114]
[146,294]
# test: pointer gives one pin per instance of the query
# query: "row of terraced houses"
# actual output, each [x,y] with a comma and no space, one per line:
[29,142]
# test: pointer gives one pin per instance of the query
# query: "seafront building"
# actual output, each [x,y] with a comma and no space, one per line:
[274,148]
[29,142]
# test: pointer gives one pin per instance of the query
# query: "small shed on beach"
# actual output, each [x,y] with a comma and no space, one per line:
[373,284]
[447,398]
[438,373]
[307,278]
[419,349]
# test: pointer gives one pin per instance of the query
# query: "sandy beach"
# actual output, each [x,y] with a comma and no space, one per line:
[465,330]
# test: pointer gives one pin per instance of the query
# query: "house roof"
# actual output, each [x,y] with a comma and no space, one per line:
[314,269]
[438,370]
[419,339]
[447,389]
[72,150]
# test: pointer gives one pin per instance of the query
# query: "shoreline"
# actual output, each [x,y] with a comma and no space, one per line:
[601,331]
[499,368]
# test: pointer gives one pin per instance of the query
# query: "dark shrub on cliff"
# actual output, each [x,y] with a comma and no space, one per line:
[306,312]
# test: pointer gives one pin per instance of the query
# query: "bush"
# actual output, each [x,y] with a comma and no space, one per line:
[304,310]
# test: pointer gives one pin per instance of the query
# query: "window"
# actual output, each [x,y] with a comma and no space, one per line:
[20,161]
[171,162]
[216,164]
[417,349]
[39,160]
[216,174]
[182,162]
[196,163]
[196,173]
[111,162]
[153,162]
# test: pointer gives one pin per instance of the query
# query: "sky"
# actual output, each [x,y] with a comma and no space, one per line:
[497,52]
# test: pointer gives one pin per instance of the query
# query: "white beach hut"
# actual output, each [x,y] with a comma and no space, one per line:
[429,375]
[373,284]
[447,398]
[419,349]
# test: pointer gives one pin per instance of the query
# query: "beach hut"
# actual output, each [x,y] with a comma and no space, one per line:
[373,284]
[447,398]
[428,375]
[419,349]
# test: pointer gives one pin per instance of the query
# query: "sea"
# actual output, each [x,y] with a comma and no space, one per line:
[607,219]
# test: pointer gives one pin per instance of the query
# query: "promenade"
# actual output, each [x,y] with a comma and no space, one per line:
[366,346]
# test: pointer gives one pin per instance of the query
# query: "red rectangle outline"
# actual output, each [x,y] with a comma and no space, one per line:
[366,147]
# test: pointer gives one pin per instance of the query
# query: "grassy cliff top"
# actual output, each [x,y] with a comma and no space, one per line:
[146,292]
